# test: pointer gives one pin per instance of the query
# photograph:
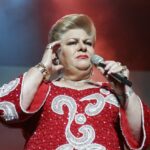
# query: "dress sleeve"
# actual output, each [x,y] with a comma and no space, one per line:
[130,141]
[147,124]
[11,109]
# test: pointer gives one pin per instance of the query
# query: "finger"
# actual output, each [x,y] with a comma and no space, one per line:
[115,68]
[109,64]
[53,46]
[54,56]
[108,61]
[56,68]
[56,46]
[120,69]
[124,68]
[125,71]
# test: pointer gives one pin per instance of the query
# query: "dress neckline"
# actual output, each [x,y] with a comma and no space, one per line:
[71,88]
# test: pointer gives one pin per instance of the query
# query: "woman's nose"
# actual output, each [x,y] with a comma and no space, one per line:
[83,47]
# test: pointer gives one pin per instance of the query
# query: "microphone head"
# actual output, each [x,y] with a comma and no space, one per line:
[97,59]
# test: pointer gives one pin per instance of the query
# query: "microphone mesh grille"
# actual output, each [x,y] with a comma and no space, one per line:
[96,59]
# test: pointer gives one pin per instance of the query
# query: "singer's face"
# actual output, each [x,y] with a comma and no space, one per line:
[76,49]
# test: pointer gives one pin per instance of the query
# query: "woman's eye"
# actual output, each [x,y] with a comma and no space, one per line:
[72,43]
[89,43]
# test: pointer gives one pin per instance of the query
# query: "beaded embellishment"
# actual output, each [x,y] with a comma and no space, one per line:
[9,109]
[7,88]
[88,132]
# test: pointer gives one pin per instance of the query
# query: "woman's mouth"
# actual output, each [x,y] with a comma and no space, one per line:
[82,57]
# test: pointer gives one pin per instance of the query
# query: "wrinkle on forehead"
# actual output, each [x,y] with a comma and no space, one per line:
[76,34]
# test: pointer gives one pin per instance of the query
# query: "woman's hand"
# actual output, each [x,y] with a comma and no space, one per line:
[49,57]
[115,67]
[119,88]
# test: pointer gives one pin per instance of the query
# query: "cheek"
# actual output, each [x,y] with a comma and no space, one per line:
[65,56]
[91,52]
[68,51]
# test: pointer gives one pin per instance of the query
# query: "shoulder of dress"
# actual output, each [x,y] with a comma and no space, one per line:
[102,84]
[46,83]
[105,88]
[45,86]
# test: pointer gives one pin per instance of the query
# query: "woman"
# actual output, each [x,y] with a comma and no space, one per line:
[72,111]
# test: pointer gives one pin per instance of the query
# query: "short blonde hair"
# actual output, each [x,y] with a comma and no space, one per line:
[72,21]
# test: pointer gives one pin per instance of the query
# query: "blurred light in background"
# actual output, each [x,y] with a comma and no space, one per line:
[19,33]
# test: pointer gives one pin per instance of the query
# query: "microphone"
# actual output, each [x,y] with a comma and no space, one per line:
[99,61]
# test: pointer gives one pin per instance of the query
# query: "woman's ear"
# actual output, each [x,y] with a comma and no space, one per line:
[56,61]
[58,56]
[58,52]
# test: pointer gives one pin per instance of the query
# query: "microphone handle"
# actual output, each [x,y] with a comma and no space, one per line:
[118,76]
[121,79]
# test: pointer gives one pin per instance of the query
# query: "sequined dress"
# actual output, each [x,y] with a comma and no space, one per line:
[62,118]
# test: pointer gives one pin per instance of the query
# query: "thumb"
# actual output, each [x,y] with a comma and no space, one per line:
[101,69]
[56,68]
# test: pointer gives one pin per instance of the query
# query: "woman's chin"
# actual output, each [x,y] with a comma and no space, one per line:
[83,66]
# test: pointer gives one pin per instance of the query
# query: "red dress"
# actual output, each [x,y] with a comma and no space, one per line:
[62,118]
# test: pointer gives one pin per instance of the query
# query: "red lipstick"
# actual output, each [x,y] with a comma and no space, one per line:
[82,56]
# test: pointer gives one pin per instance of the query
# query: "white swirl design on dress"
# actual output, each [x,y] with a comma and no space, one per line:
[112,100]
[7,88]
[10,113]
[80,119]
[94,147]
[94,109]
[88,147]
[65,147]
[104,91]
[87,131]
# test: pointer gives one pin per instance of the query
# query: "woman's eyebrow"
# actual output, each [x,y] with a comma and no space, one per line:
[73,39]
[90,39]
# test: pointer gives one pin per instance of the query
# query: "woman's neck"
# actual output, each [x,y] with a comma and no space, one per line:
[78,75]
